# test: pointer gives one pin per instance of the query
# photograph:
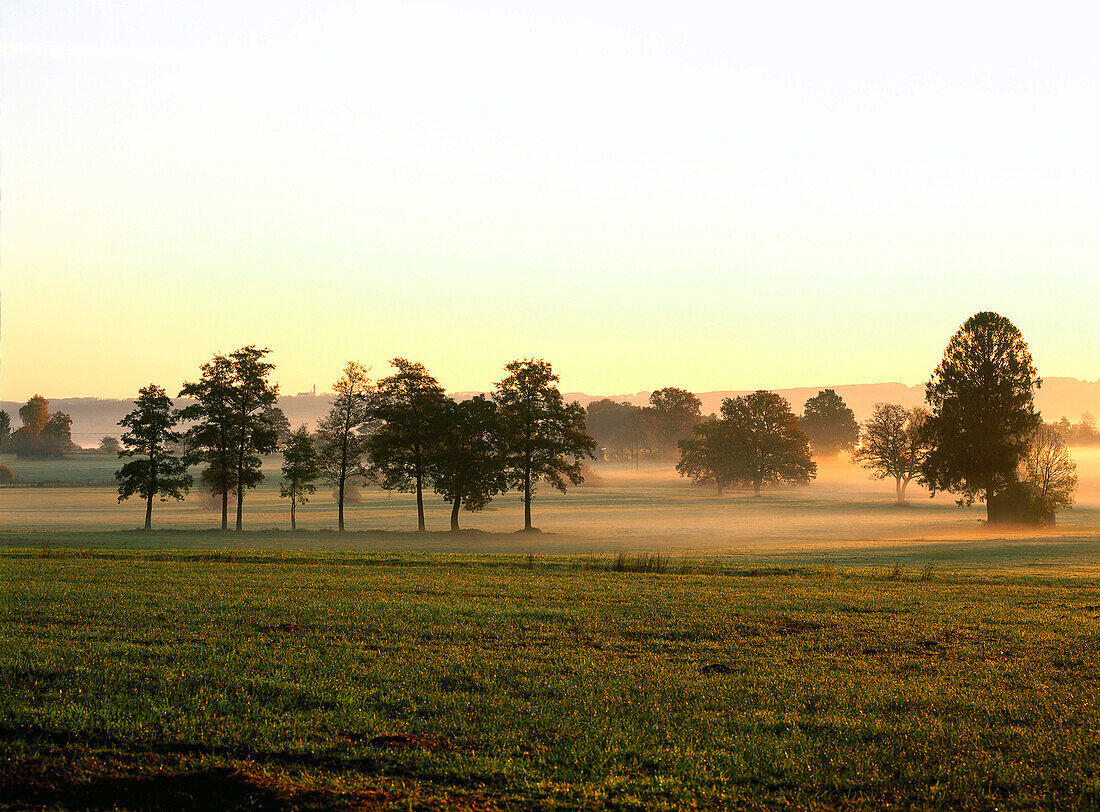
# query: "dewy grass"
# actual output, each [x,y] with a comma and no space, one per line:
[351,679]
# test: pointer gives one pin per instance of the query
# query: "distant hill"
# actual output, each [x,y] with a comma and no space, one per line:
[94,418]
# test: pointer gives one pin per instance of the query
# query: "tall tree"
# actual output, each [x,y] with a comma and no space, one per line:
[982,396]
[767,446]
[251,399]
[150,432]
[894,443]
[408,406]
[276,418]
[35,414]
[342,445]
[674,413]
[829,424]
[611,425]
[545,438]
[210,438]
[468,465]
[301,469]
[708,456]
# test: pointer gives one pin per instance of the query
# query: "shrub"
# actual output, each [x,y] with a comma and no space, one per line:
[7,476]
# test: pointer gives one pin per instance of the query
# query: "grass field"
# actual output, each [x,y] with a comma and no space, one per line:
[313,680]
[656,646]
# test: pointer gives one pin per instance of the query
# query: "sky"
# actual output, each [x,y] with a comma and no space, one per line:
[707,195]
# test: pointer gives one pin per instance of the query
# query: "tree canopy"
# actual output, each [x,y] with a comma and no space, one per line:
[342,443]
[674,413]
[43,435]
[301,469]
[829,424]
[767,447]
[982,398]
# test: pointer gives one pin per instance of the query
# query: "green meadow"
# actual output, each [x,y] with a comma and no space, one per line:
[656,646]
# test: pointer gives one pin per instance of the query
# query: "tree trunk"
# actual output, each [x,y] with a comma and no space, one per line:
[454,513]
[419,502]
[225,508]
[240,491]
[901,491]
[527,497]
[293,526]
[756,487]
[149,511]
[719,483]
[340,505]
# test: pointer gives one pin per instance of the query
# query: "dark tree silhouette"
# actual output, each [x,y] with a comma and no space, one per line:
[766,444]
[674,412]
[707,457]
[342,443]
[209,439]
[407,406]
[301,470]
[251,400]
[829,424]
[150,433]
[614,426]
[983,413]
[279,424]
[468,465]
[545,438]
[111,445]
[894,443]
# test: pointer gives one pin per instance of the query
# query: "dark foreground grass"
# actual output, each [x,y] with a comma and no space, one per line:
[277,680]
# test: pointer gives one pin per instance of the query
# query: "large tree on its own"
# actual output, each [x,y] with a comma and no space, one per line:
[707,456]
[407,406]
[545,437]
[982,396]
[894,443]
[1049,475]
[829,424]
[149,434]
[342,445]
[209,438]
[767,447]
[252,398]
[674,413]
[301,469]
[467,464]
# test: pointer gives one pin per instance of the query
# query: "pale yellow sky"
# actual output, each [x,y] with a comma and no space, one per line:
[707,195]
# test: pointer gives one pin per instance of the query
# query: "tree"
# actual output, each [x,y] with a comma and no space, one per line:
[210,437]
[674,413]
[767,447]
[611,425]
[1049,475]
[251,400]
[341,444]
[5,429]
[829,424]
[707,456]
[150,429]
[301,469]
[109,445]
[467,464]
[408,406]
[982,398]
[544,437]
[279,424]
[894,443]
[43,435]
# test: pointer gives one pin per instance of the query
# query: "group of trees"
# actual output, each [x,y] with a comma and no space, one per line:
[42,435]
[626,431]
[981,438]
[402,432]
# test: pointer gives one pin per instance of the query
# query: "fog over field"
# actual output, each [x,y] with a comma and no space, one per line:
[843,517]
